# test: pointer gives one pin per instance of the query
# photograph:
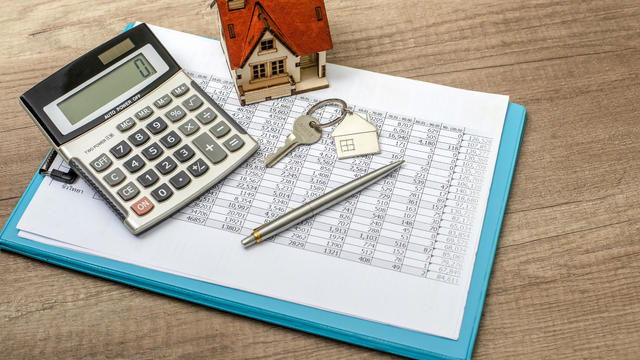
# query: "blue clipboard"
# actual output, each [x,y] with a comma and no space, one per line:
[321,322]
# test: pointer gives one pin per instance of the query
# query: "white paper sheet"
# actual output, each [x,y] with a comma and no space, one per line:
[400,253]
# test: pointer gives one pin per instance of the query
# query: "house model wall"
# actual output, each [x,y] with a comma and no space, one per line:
[274,48]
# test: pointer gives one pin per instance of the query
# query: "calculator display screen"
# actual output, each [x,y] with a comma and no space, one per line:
[107,88]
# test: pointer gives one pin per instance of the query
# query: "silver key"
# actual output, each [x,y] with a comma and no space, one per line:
[302,133]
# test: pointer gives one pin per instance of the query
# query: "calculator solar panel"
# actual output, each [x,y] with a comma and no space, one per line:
[137,128]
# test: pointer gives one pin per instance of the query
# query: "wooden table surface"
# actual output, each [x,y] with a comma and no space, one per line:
[566,278]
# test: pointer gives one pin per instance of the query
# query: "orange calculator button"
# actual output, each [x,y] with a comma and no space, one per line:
[142,206]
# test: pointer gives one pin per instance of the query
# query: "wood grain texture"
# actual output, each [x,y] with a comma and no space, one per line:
[566,279]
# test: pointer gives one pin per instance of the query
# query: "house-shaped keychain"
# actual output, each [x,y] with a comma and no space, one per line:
[356,136]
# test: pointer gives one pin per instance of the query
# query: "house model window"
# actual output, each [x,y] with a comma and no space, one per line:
[266,45]
[259,71]
[277,67]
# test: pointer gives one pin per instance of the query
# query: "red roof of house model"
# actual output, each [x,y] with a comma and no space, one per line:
[301,25]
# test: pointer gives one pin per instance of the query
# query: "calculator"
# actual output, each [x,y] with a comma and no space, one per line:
[131,122]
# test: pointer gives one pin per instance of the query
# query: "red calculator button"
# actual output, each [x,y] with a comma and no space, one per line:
[142,206]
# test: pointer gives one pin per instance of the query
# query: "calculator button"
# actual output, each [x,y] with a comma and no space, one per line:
[180,90]
[144,113]
[166,166]
[156,126]
[101,163]
[163,101]
[139,137]
[193,102]
[142,206]
[206,116]
[148,178]
[234,143]
[220,129]
[180,180]
[184,153]
[134,164]
[126,124]
[198,168]
[128,191]
[176,113]
[189,127]
[162,193]
[170,140]
[115,177]
[209,148]
[152,151]
[120,150]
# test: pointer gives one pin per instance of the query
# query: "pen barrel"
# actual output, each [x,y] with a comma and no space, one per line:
[327,200]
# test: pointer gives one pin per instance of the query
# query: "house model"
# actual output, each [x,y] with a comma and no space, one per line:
[274,48]
[355,136]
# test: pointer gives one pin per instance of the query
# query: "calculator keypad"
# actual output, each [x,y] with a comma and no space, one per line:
[163,101]
[144,113]
[175,114]
[189,127]
[180,180]
[184,153]
[166,165]
[152,151]
[121,150]
[139,137]
[206,116]
[193,102]
[156,126]
[133,164]
[170,140]
[166,147]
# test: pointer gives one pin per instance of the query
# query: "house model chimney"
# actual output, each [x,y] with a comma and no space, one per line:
[236,4]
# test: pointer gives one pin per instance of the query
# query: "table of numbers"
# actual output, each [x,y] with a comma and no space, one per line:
[416,221]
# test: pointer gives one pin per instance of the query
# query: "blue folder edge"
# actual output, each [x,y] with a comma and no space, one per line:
[321,322]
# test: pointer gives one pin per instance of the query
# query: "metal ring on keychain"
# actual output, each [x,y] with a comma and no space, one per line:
[317,124]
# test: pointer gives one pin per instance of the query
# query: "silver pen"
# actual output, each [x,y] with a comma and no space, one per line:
[313,207]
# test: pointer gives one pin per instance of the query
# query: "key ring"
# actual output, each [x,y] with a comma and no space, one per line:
[316,124]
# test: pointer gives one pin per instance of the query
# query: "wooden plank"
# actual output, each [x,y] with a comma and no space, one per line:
[566,277]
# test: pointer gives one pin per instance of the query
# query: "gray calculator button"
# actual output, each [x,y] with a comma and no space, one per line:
[198,168]
[126,124]
[180,90]
[234,143]
[189,127]
[180,180]
[206,116]
[139,137]
[128,191]
[133,164]
[152,151]
[166,165]
[184,153]
[101,163]
[170,140]
[156,126]
[120,150]
[163,101]
[148,178]
[144,113]
[192,102]
[176,113]
[114,177]
[162,193]
[220,129]
[209,148]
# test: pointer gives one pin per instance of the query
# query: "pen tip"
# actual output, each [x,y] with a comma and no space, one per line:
[248,241]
